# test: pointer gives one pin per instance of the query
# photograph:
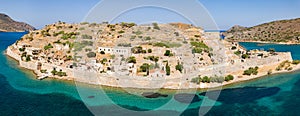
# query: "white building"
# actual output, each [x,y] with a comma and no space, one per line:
[61,47]
[33,51]
[125,51]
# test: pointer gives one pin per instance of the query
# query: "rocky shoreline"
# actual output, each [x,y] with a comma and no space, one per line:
[144,83]
[268,42]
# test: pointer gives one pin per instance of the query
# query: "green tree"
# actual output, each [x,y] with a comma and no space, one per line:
[179,67]
[149,50]
[28,58]
[155,26]
[168,69]
[167,53]
[145,67]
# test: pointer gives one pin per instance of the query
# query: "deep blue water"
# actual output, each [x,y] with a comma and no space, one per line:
[22,94]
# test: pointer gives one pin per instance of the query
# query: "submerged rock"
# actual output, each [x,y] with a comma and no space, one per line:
[91,97]
[153,95]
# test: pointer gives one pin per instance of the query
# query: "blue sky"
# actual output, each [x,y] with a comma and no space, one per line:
[226,13]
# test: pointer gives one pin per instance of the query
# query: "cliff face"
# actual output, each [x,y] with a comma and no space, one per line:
[9,25]
[277,31]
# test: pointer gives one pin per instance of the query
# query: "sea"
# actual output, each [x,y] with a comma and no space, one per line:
[22,94]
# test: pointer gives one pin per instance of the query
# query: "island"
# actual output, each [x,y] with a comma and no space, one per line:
[148,56]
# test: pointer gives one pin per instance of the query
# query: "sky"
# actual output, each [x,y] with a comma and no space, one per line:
[226,13]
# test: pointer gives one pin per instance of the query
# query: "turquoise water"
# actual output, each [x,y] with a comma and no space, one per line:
[294,49]
[22,94]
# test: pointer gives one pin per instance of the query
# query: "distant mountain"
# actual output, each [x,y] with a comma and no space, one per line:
[276,31]
[9,25]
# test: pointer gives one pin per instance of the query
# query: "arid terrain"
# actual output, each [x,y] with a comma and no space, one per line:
[9,25]
[286,31]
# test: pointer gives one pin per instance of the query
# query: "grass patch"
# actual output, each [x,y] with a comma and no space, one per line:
[167,44]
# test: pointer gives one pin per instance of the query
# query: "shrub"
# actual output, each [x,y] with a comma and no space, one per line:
[131,59]
[43,71]
[153,58]
[85,36]
[58,73]
[138,32]
[53,72]
[197,80]
[61,74]
[22,49]
[155,26]
[137,50]
[206,79]
[200,45]
[88,50]
[197,50]
[217,79]
[104,60]
[112,56]
[66,36]
[84,23]
[179,67]
[87,43]
[124,44]
[251,71]
[245,56]
[229,78]
[91,54]
[144,51]
[161,44]
[47,47]
[148,38]
[120,32]
[296,62]
[28,58]
[238,52]
[129,25]
[132,37]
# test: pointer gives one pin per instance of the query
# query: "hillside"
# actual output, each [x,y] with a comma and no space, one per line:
[9,25]
[277,31]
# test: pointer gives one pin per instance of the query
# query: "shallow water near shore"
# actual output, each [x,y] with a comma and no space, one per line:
[22,94]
